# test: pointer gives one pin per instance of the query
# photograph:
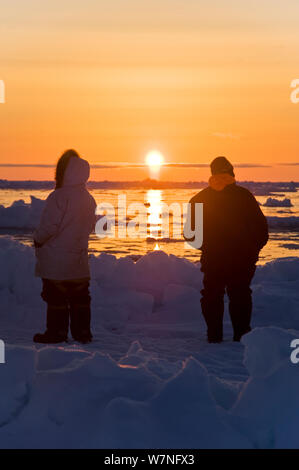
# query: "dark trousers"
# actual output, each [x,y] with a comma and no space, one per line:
[236,281]
[67,300]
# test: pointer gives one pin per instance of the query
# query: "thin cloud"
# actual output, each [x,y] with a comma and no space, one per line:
[289,164]
[207,165]
[126,165]
[251,165]
[26,165]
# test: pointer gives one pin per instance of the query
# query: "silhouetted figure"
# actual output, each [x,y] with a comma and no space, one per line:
[61,242]
[234,232]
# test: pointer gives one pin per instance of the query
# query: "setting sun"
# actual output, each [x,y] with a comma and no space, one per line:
[154,159]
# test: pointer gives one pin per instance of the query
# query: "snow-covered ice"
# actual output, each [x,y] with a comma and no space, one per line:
[22,215]
[274,202]
[283,223]
[149,379]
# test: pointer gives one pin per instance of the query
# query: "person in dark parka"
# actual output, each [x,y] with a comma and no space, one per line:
[234,232]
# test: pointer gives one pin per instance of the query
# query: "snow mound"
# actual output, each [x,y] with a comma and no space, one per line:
[22,215]
[268,403]
[273,202]
[155,281]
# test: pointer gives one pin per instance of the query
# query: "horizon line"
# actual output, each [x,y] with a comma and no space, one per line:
[147,181]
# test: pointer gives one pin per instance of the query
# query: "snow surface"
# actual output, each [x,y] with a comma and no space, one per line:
[149,379]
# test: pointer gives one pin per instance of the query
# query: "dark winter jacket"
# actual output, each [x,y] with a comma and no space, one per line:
[234,227]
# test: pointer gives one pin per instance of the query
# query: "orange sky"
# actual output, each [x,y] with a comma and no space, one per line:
[115,79]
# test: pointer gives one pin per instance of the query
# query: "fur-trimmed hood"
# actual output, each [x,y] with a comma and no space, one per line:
[220,181]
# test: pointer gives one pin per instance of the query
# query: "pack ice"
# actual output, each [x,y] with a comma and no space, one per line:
[149,379]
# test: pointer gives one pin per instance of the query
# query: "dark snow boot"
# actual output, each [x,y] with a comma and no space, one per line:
[49,338]
[238,335]
[80,322]
[57,326]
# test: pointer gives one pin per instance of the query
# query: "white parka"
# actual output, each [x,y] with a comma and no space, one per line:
[67,220]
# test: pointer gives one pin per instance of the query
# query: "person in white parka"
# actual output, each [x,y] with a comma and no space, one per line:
[61,243]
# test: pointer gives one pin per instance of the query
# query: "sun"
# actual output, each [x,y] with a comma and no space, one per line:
[154,159]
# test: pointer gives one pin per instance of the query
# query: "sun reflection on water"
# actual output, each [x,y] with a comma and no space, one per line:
[154,213]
